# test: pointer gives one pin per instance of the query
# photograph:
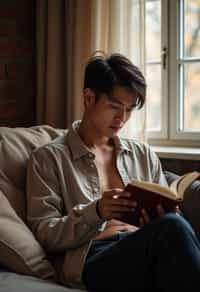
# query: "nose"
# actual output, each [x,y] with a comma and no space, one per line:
[122,115]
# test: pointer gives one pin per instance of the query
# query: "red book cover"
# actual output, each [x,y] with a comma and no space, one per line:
[148,200]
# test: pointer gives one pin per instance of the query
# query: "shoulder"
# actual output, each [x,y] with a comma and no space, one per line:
[52,148]
[140,150]
[136,146]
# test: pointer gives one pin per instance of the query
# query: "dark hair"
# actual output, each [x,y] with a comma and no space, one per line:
[103,72]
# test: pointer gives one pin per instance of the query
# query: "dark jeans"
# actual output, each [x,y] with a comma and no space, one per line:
[162,256]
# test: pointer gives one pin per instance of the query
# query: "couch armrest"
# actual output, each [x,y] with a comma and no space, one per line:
[191,203]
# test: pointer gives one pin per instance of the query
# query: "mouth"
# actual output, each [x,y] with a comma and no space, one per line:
[115,128]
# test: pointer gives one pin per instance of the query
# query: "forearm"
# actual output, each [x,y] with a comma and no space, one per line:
[71,231]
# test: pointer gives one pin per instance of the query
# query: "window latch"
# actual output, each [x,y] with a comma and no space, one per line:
[164,57]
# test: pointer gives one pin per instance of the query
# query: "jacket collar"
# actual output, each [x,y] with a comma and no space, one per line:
[78,147]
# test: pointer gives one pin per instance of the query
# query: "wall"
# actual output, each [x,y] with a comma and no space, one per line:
[17,62]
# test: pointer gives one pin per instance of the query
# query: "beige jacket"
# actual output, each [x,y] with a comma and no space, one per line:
[62,190]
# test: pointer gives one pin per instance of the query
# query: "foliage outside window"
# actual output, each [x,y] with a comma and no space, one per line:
[172,58]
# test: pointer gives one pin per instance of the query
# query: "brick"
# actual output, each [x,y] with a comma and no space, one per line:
[17,113]
[7,11]
[26,105]
[26,29]
[26,109]
[17,70]
[7,28]
[28,89]
[12,89]
[26,48]
[18,8]
[2,71]
[9,49]
[8,110]
[25,71]
[26,9]
[8,90]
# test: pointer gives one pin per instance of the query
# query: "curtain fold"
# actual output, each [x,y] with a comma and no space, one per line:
[68,32]
[63,46]
[50,69]
[77,36]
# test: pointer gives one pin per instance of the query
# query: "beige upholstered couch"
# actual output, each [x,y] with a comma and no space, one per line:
[23,263]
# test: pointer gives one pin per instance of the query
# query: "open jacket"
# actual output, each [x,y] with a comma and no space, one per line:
[62,190]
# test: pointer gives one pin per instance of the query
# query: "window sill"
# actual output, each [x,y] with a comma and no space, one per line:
[177,152]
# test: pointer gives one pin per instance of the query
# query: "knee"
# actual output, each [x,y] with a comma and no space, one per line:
[175,224]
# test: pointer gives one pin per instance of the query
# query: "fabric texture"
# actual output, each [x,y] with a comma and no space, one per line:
[191,203]
[19,250]
[16,145]
[62,190]
[154,258]
[13,282]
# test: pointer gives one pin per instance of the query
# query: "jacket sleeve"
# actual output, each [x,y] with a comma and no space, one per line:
[46,213]
[156,167]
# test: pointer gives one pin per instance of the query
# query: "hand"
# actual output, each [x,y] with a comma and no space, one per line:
[123,225]
[145,218]
[114,226]
[114,203]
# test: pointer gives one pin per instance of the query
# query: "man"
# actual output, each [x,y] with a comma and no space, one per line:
[73,183]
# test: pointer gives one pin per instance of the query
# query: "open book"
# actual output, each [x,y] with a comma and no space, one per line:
[148,195]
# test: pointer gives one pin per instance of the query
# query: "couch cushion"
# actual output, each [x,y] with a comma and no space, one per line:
[191,203]
[11,282]
[16,144]
[19,250]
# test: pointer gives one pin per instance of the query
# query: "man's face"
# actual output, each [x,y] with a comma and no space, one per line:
[109,114]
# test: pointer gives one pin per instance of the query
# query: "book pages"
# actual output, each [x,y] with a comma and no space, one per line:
[179,185]
[186,181]
[154,187]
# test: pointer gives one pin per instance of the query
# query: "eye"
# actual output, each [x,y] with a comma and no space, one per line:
[115,107]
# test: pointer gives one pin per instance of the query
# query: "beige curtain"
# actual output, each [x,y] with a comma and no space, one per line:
[63,46]
[68,32]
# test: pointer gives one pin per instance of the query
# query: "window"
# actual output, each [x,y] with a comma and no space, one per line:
[172,58]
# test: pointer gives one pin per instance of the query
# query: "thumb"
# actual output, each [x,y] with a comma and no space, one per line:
[112,192]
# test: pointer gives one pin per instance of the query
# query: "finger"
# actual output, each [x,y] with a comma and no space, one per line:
[175,209]
[112,222]
[178,211]
[117,215]
[115,222]
[122,194]
[122,209]
[112,192]
[124,202]
[145,216]
[160,210]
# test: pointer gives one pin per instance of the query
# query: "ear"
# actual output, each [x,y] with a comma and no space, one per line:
[89,97]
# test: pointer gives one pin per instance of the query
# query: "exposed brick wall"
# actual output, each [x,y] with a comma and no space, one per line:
[17,62]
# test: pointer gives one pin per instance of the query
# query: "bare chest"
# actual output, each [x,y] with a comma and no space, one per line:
[108,174]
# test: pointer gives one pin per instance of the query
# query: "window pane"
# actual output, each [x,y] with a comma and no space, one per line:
[192,28]
[192,97]
[153,29]
[153,78]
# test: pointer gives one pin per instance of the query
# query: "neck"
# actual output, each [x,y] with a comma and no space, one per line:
[91,137]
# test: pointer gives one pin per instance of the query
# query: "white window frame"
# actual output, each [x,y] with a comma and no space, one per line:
[170,134]
[163,134]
